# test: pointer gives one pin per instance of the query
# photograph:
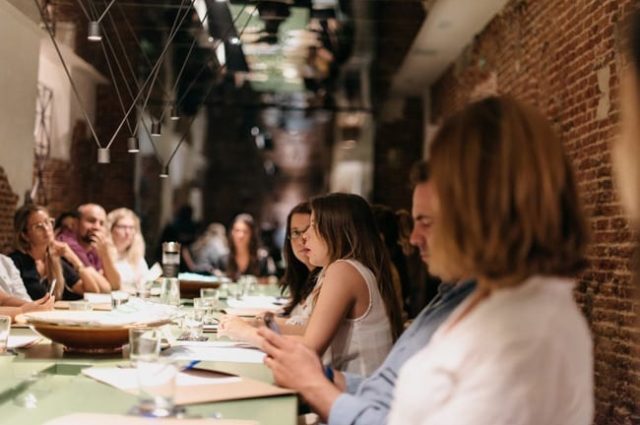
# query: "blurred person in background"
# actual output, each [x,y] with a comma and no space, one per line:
[127,248]
[208,250]
[246,255]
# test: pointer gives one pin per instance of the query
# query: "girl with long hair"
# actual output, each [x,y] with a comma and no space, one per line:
[42,260]
[245,254]
[127,248]
[299,280]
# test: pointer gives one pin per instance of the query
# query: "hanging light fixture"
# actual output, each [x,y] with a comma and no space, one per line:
[94,33]
[103,156]
[133,144]
[175,113]
[156,128]
[165,172]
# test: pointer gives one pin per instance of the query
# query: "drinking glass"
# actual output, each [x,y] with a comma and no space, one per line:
[5,327]
[156,387]
[210,299]
[118,298]
[144,344]
[192,326]
[170,291]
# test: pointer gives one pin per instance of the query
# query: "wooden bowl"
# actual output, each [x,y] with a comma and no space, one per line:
[191,288]
[86,338]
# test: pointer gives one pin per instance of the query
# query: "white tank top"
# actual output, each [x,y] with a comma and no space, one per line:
[361,344]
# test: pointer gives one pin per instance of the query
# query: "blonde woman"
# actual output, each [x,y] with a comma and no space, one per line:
[127,248]
[42,260]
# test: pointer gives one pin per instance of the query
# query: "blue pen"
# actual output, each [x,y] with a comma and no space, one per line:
[191,365]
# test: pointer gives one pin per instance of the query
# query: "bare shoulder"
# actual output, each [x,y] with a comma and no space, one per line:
[344,274]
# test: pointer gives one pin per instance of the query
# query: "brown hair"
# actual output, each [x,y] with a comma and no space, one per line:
[419,173]
[346,224]
[507,193]
[233,270]
[297,277]
[21,243]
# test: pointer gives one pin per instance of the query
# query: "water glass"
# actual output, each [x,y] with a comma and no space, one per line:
[192,326]
[5,327]
[144,344]
[118,298]
[170,291]
[143,288]
[157,387]
[210,297]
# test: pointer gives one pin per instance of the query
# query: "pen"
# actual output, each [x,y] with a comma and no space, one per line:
[191,365]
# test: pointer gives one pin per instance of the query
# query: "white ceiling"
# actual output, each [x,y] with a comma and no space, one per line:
[449,27]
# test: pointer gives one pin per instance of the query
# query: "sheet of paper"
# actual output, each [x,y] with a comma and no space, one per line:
[126,379]
[103,419]
[215,354]
[154,272]
[18,341]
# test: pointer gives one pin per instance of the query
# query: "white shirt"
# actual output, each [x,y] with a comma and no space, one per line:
[360,345]
[10,280]
[523,356]
[131,275]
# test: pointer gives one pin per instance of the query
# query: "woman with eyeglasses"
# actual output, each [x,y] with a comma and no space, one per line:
[127,248]
[43,261]
[299,281]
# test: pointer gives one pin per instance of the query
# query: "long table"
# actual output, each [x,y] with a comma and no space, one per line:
[62,389]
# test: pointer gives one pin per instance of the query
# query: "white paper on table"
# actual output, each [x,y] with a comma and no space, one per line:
[97,298]
[126,379]
[18,341]
[255,301]
[103,419]
[215,354]
[213,344]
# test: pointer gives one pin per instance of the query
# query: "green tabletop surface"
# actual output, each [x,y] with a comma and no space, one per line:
[43,382]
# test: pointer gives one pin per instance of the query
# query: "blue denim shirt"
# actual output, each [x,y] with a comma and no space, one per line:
[368,400]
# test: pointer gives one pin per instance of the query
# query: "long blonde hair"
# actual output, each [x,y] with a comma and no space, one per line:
[134,252]
[22,244]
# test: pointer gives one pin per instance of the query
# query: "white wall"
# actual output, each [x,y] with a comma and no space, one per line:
[19,51]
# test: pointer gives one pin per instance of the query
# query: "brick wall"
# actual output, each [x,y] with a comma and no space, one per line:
[8,201]
[562,56]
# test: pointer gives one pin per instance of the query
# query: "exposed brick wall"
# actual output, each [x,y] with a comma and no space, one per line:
[8,201]
[551,53]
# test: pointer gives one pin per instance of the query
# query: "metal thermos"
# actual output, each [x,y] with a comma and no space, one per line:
[170,259]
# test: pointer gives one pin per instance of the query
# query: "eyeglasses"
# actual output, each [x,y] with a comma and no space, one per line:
[43,225]
[297,233]
[124,227]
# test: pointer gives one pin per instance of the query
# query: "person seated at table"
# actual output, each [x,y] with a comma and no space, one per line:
[518,350]
[12,306]
[341,398]
[66,221]
[127,248]
[10,281]
[42,260]
[205,253]
[245,254]
[299,280]
[356,316]
[90,242]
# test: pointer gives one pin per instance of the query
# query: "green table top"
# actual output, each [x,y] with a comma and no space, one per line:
[61,389]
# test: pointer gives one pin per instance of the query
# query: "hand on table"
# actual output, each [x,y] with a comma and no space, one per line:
[44,303]
[237,328]
[294,365]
